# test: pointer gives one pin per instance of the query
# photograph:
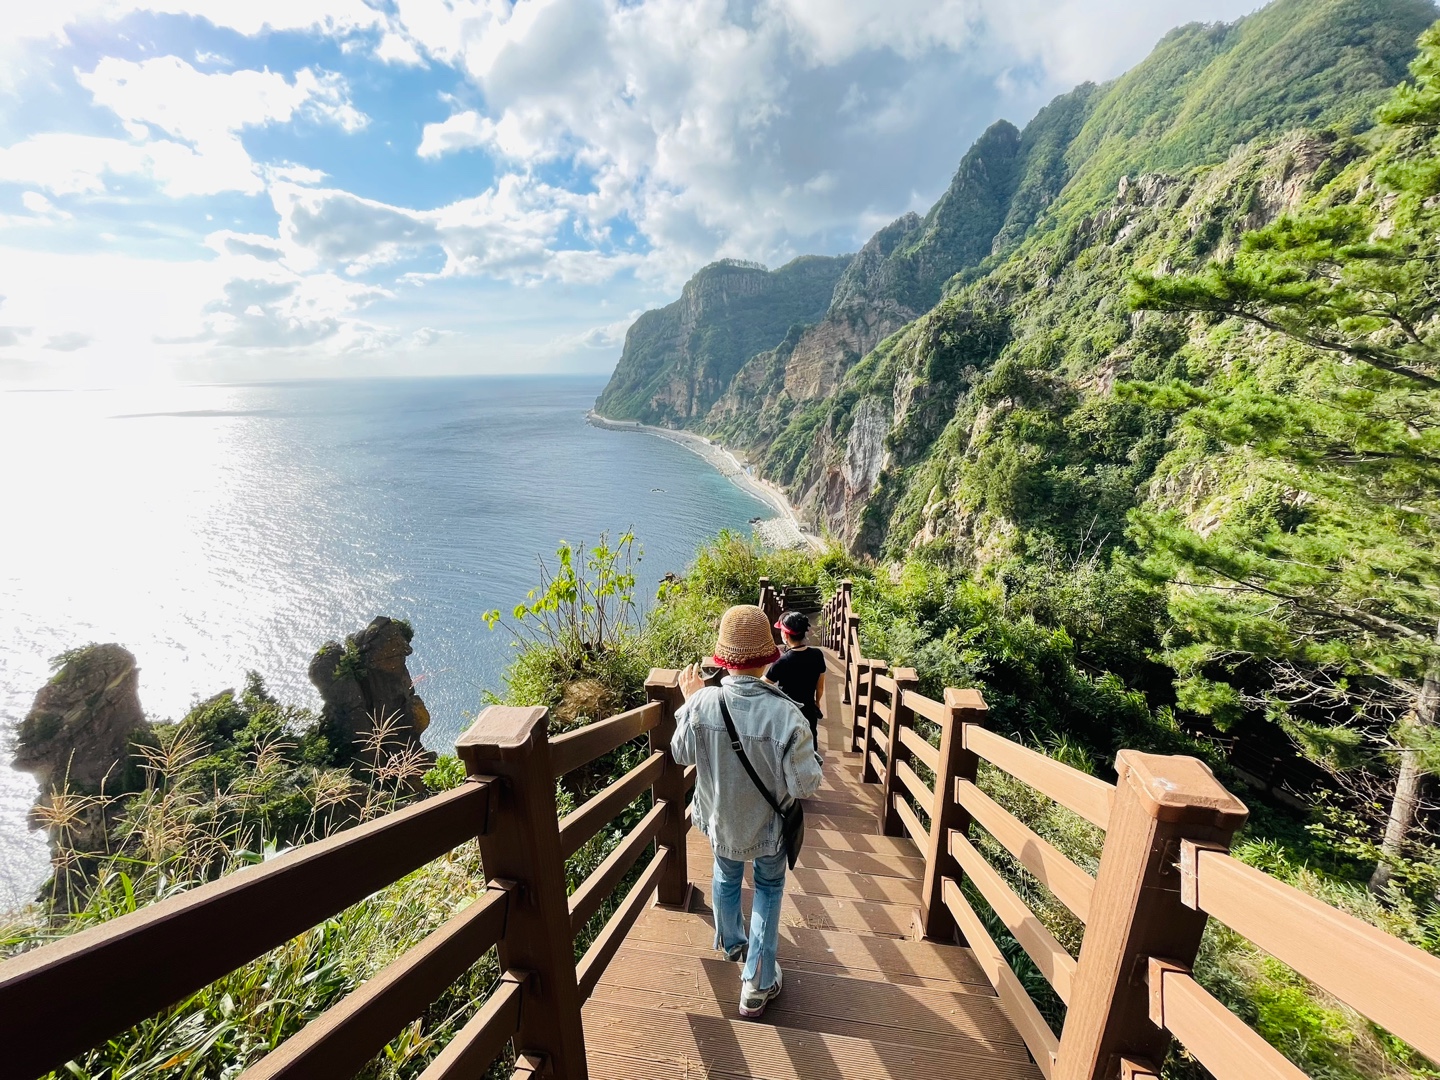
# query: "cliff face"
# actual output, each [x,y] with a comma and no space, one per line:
[678,359]
[961,376]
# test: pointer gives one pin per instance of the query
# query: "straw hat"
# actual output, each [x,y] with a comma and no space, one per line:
[745,640]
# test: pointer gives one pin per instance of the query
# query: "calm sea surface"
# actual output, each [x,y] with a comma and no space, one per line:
[212,530]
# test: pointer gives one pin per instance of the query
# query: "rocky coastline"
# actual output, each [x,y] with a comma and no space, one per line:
[781,532]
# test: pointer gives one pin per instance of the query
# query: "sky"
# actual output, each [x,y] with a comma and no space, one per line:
[244,190]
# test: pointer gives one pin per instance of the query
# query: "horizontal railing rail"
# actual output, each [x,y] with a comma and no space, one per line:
[1388,981]
[583,745]
[1164,869]
[60,1000]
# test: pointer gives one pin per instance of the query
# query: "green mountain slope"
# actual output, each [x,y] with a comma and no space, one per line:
[877,434]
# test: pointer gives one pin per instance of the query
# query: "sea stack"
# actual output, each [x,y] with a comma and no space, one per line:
[78,732]
[365,682]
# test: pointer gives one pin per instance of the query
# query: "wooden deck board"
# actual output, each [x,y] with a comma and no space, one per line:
[818,858]
[809,881]
[713,980]
[835,952]
[644,1043]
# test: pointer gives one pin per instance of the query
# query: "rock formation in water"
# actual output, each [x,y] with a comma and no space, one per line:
[364,682]
[78,732]
[77,738]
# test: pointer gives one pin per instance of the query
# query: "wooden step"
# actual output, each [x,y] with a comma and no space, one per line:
[821,836]
[815,857]
[655,1044]
[817,835]
[839,913]
[803,880]
[833,952]
[959,1023]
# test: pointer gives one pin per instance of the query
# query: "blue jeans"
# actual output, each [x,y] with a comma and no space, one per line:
[764,913]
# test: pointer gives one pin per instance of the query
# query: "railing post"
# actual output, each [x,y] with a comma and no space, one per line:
[856,670]
[967,708]
[866,694]
[900,716]
[1136,911]
[852,655]
[523,846]
[674,886]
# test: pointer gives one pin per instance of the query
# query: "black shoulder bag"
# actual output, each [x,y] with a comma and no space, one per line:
[792,818]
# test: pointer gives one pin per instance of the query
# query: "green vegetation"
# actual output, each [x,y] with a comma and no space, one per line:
[1158,469]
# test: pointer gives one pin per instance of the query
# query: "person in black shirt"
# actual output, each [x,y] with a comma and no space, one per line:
[800,671]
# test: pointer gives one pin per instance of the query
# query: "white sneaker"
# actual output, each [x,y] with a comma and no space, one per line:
[737,954]
[753,1001]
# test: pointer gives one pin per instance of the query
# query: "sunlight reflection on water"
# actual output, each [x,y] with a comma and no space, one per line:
[215,529]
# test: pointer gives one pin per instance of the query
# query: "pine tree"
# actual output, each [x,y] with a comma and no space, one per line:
[1324,575]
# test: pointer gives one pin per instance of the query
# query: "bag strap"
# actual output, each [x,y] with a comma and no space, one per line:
[745,761]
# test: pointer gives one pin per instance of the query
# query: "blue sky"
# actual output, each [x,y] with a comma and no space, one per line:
[230,190]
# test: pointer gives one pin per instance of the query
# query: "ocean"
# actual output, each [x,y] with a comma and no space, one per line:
[217,529]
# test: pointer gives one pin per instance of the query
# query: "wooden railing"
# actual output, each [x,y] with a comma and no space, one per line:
[1164,869]
[58,1001]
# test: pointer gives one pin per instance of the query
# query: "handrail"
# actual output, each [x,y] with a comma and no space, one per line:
[933,711]
[1050,957]
[59,1000]
[478,1043]
[583,745]
[1336,951]
[343,1038]
[1228,1047]
[1076,791]
[593,892]
[1034,1029]
[578,826]
[603,949]
[1071,885]
[910,739]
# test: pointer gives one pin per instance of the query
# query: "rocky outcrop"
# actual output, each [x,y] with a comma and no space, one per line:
[678,359]
[365,683]
[78,733]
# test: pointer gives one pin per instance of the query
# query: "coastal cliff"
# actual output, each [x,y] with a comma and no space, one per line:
[958,387]
[680,358]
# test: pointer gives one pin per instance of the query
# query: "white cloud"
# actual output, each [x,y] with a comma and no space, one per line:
[198,107]
[747,129]
[460,131]
[70,341]
[250,17]
[514,231]
[202,113]
[396,49]
[429,335]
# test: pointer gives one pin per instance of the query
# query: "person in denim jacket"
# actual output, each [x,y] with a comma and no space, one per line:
[740,824]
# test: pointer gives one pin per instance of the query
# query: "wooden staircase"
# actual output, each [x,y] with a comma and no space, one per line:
[863,998]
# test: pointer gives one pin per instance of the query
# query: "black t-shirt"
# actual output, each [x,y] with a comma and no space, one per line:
[796,672]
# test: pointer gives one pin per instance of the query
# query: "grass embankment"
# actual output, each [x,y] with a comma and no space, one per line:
[1057,656]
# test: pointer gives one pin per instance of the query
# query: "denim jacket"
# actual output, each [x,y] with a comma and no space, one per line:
[777,740]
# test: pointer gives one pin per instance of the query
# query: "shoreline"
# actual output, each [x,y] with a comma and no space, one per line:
[727,464]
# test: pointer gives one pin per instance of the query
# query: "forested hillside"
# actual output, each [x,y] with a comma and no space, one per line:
[1158,373]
